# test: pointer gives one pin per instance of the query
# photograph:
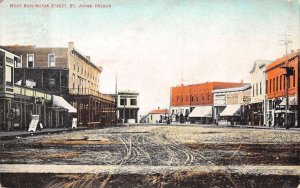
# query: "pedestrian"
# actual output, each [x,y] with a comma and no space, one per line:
[10,118]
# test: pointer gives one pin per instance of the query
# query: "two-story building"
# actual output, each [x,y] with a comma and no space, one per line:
[18,103]
[128,106]
[184,99]
[278,86]
[69,74]
[257,106]
[229,105]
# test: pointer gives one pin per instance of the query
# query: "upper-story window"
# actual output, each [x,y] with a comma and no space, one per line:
[9,75]
[133,102]
[18,63]
[260,88]
[51,60]
[30,60]
[123,102]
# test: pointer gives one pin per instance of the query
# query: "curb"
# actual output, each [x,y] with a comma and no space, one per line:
[27,134]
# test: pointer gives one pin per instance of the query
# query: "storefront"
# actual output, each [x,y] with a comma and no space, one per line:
[232,115]
[201,115]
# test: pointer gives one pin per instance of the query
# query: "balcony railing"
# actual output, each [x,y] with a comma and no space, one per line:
[88,91]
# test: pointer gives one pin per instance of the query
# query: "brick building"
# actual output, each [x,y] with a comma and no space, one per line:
[184,99]
[68,73]
[276,90]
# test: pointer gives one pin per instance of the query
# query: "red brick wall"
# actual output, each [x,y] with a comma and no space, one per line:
[276,79]
[198,94]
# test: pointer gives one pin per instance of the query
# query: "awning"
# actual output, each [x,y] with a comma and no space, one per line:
[232,110]
[292,101]
[202,111]
[62,103]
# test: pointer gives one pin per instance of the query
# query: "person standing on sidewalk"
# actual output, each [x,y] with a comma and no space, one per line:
[10,118]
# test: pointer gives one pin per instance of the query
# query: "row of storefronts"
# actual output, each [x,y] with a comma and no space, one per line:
[263,102]
[28,87]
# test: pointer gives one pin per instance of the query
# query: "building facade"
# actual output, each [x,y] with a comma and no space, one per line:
[66,72]
[127,106]
[184,99]
[18,103]
[277,87]
[230,103]
[158,116]
[257,106]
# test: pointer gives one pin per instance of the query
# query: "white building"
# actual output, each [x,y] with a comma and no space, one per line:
[157,116]
[229,105]
[257,106]
[128,106]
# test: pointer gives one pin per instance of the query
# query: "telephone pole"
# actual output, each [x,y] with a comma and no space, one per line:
[288,73]
[116,100]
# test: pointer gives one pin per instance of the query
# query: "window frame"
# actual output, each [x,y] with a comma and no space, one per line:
[32,60]
[53,59]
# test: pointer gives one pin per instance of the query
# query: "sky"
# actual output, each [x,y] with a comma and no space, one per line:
[153,45]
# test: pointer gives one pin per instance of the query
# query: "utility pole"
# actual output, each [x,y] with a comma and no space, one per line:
[116,100]
[124,110]
[288,73]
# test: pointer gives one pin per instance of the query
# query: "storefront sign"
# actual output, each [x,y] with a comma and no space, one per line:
[219,100]
[232,98]
[33,123]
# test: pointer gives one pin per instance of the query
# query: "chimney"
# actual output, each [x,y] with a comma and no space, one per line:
[71,46]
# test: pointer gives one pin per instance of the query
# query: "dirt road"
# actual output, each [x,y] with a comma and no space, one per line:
[185,148]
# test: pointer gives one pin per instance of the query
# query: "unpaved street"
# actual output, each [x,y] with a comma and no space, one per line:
[231,152]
